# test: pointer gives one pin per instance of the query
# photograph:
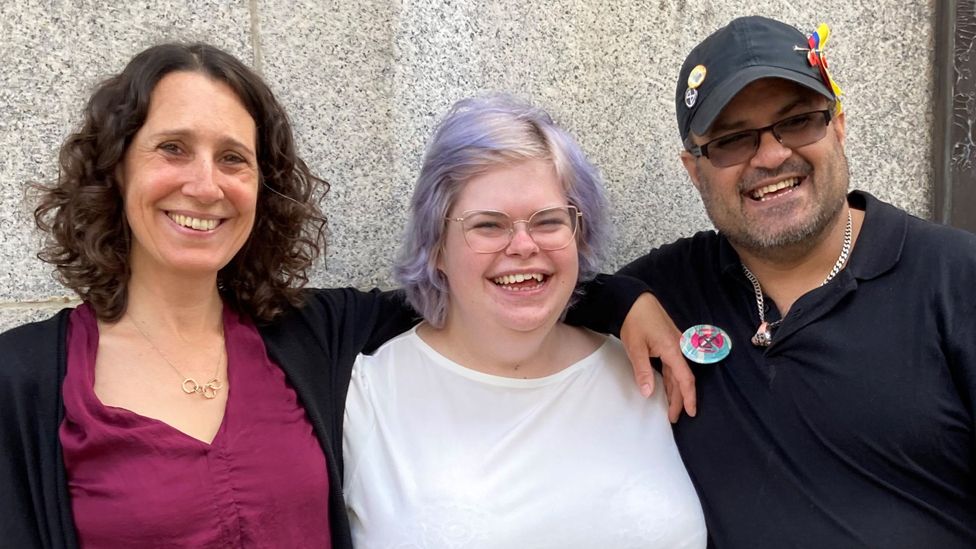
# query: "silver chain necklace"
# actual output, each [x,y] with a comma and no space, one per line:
[764,334]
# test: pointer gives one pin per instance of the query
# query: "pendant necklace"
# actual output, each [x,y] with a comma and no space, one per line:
[764,334]
[190,386]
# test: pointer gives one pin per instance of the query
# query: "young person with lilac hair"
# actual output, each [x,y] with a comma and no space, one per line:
[493,423]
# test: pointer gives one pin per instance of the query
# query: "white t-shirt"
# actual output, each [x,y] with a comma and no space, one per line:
[441,456]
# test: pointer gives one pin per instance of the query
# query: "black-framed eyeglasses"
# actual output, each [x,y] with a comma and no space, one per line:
[735,148]
[490,231]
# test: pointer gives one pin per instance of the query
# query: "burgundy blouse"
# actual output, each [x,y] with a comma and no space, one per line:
[138,482]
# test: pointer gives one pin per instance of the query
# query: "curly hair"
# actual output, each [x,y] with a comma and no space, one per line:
[88,238]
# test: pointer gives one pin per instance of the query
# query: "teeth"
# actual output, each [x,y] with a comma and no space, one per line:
[193,222]
[758,194]
[516,278]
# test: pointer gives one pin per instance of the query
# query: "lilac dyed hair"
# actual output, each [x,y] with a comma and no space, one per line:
[477,135]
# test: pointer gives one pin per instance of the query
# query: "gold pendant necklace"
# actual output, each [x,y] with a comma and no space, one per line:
[190,386]
[764,334]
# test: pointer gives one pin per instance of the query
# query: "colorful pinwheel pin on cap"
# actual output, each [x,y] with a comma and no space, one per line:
[817,56]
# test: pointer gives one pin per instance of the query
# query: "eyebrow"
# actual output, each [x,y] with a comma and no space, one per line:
[722,127]
[184,133]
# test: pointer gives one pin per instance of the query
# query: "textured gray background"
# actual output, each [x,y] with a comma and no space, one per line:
[366,81]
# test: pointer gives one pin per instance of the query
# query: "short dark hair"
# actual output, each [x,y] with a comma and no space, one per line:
[88,238]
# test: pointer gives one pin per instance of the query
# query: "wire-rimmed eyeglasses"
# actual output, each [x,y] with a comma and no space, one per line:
[490,231]
[735,148]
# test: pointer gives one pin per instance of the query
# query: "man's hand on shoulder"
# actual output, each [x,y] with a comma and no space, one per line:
[648,332]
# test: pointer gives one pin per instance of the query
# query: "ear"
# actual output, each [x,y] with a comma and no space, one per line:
[839,124]
[439,255]
[690,162]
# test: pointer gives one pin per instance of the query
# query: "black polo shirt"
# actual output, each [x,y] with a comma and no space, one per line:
[855,428]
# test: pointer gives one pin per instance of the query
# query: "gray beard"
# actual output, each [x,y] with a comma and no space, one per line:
[797,240]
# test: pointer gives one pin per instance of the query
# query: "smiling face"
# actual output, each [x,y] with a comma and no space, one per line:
[190,178]
[521,287]
[781,197]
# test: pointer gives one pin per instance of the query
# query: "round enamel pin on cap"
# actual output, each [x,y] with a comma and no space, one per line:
[705,344]
[697,76]
[695,79]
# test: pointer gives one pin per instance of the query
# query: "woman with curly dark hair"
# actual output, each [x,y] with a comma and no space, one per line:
[84,214]
[189,401]
[196,396]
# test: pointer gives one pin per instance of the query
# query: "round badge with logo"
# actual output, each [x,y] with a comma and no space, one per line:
[697,76]
[705,344]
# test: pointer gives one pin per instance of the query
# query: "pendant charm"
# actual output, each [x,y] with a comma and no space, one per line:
[207,390]
[705,344]
[763,337]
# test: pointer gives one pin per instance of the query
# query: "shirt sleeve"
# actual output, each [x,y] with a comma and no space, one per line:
[360,418]
[960,345]
[957,298]
[394,315]
[352,321]
[34,506]
[605,302]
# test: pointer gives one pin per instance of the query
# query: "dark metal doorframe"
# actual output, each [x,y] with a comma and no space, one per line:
[954,143]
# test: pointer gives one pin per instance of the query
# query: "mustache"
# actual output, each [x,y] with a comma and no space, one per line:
[791,166]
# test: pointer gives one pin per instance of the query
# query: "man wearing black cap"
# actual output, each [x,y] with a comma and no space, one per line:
[835,335]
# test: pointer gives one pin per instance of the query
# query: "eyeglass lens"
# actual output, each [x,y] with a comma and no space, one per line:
[491,231]
[795,131]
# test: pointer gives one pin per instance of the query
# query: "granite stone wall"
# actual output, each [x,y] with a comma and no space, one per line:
[366,81]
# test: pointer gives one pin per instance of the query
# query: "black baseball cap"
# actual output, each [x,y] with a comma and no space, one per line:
[745,50]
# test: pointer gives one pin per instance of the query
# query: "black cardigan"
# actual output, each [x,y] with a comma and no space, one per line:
[315,345]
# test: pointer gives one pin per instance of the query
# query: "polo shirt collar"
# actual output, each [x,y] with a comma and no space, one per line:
[882,238]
